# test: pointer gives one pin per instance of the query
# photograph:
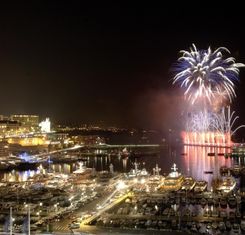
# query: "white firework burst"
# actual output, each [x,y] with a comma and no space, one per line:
[207,74]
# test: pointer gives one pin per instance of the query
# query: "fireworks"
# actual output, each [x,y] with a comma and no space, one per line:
[210,128]
[207,74]
[208,79]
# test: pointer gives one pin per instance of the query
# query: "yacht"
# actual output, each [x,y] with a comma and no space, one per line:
[174,180]
[227,185]
[82,169]
[137,172]
[200,186]
[188,184]
[232,201]
[235,171]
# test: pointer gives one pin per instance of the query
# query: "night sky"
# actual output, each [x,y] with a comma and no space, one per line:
[106,64]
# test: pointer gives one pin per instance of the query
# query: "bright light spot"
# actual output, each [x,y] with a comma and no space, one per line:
[142,181]
[45,125]
[121,185]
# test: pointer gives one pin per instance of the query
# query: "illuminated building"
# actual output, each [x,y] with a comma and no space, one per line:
[28,141]
[2,117]
[9,127]
[45,125]
[30,122]
[32,144]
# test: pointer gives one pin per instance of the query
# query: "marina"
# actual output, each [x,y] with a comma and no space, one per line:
[69,188]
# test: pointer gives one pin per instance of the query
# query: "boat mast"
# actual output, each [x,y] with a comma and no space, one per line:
[29,221]
[10,221]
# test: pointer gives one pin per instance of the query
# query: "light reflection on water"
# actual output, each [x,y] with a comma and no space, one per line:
[191,161]
[197,162]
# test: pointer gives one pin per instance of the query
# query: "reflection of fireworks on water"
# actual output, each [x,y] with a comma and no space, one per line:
[210,128]
[197,162]
[208,78]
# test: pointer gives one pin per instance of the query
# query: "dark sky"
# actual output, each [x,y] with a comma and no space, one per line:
[85,64]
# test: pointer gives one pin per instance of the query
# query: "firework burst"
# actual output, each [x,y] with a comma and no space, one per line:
[207,74]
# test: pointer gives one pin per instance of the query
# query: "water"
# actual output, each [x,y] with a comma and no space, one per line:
[191,161]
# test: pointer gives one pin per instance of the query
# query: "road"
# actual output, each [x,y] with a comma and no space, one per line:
[104,201]
[106,208]
[62,225]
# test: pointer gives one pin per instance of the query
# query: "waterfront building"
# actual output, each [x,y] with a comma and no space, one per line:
[8,127]
[30,122]
[45,126]
[29,144]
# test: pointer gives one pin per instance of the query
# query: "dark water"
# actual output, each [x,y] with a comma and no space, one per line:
[191,161]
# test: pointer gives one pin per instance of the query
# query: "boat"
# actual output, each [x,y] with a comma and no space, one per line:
[232,201]
[200,186]
[223,202]
[104,176]
[228,225]
[124,153]
[243,225]
[227,185]
[208,172]
[188,184]
[135,172]
[221,154]
[238,214]
[222,226]
[82,170]
[224,170]
[173,180]
[236,228]
[203,202]
[235,170]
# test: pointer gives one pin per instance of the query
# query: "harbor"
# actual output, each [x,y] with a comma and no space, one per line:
[123,192]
